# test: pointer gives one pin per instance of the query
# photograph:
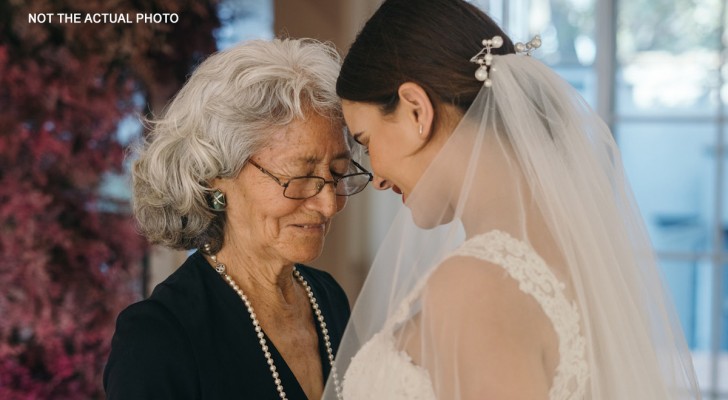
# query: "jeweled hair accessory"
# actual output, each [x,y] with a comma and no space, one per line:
[528,47]
[484,58]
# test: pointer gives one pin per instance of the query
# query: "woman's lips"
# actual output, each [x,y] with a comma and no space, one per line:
[311,227]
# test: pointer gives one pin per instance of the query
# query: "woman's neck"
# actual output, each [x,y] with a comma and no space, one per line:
[260,278]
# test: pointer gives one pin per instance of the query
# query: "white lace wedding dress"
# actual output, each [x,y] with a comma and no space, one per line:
[381,371]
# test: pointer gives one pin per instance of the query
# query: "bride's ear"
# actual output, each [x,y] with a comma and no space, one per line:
[417,109]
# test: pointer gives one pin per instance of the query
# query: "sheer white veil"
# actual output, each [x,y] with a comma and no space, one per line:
[532,160]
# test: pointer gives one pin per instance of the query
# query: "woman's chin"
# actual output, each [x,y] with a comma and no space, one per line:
[301,244]
[308,253]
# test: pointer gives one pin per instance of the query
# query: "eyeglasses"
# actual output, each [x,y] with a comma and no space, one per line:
[304,187]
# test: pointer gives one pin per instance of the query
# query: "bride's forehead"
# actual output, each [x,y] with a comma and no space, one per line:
[355,110]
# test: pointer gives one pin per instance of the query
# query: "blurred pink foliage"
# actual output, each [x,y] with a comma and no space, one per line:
[69,258]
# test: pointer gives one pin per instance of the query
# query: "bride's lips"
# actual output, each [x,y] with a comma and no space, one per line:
[397,190]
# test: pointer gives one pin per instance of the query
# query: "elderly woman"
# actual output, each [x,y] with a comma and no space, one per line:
[248,165]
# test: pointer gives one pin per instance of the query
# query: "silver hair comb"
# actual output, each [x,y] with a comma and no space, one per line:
[484,58]
[528,47]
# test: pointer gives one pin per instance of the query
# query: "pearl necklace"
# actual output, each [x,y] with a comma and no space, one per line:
[220,268]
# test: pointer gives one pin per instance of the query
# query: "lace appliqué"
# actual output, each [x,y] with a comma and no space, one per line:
[382,371]
[536,279]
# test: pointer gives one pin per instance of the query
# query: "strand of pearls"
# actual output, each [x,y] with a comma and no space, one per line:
[324,330]
[220,268]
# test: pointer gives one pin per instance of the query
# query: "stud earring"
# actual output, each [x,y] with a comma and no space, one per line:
[421,130]
[218,200]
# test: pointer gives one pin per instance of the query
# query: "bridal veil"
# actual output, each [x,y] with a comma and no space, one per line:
[532,160]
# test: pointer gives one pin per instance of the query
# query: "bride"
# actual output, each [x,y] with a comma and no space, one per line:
[519,268]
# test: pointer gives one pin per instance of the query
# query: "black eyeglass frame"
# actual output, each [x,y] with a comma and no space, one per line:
[320,187]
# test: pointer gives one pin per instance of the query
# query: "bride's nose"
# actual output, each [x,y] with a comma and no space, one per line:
[381,183]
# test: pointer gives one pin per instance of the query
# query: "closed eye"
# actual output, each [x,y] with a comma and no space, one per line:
[358,139]
[340,170]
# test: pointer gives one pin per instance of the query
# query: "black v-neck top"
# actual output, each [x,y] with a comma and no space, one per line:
[193,339]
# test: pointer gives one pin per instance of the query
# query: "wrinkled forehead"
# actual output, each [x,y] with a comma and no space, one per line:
[316,139]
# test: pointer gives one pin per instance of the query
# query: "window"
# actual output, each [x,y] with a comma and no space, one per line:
[656,71]
[669,122]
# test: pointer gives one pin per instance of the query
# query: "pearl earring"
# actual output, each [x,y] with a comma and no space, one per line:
[421,130]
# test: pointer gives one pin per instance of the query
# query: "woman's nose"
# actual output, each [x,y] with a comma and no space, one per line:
[327,201]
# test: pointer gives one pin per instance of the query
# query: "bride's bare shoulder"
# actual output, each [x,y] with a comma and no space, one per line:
[493,325]
[485,290]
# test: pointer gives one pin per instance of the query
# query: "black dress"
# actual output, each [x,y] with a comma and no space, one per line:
[193,339]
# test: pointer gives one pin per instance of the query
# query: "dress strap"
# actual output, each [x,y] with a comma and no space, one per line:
[536,279]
